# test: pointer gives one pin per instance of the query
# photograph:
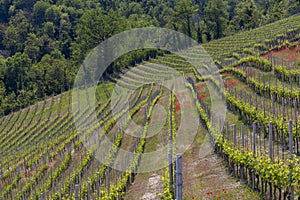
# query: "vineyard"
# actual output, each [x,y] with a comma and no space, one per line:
[42,155]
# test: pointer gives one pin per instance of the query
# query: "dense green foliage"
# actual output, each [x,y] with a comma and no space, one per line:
[42,43]
[42,151]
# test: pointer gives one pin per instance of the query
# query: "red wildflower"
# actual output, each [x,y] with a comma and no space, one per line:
[232,83]
[199,87]
[202,96]
[177,108]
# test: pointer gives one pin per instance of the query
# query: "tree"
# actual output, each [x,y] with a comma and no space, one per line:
[232,5]
[73,16]
[131,8]
[291,7]
[2,96]
[94,27]
[39,11]
[161,13]
[2,69]
[184,12]
[16,33]
[201,7]
[247,15]
[51,75]
[16,75]
[200,25]
[53,14]
[9,103]
[78,4]
[4,10]
[49,29]
[140,20]
[64,35]
[2,35]
[33,47]
[24,4]
[272,10]
[216,17]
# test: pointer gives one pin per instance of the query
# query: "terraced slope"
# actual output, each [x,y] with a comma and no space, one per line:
[42,155]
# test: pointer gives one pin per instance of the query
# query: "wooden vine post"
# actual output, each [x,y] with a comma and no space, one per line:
[178,177]
[291,140]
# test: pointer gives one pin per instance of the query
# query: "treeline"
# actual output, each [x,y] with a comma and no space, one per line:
[42,43]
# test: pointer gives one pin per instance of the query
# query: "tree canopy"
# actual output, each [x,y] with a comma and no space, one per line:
[44,42]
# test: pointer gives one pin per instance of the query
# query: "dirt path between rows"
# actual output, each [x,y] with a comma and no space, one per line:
[204,177]
[205,174]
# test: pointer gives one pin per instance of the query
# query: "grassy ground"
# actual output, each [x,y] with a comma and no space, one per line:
[205,174]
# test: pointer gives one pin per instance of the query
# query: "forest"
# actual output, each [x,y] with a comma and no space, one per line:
[43,43]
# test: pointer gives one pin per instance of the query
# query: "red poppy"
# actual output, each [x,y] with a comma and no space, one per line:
[232,83]
[177,108]
[202,96]
[199,87]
